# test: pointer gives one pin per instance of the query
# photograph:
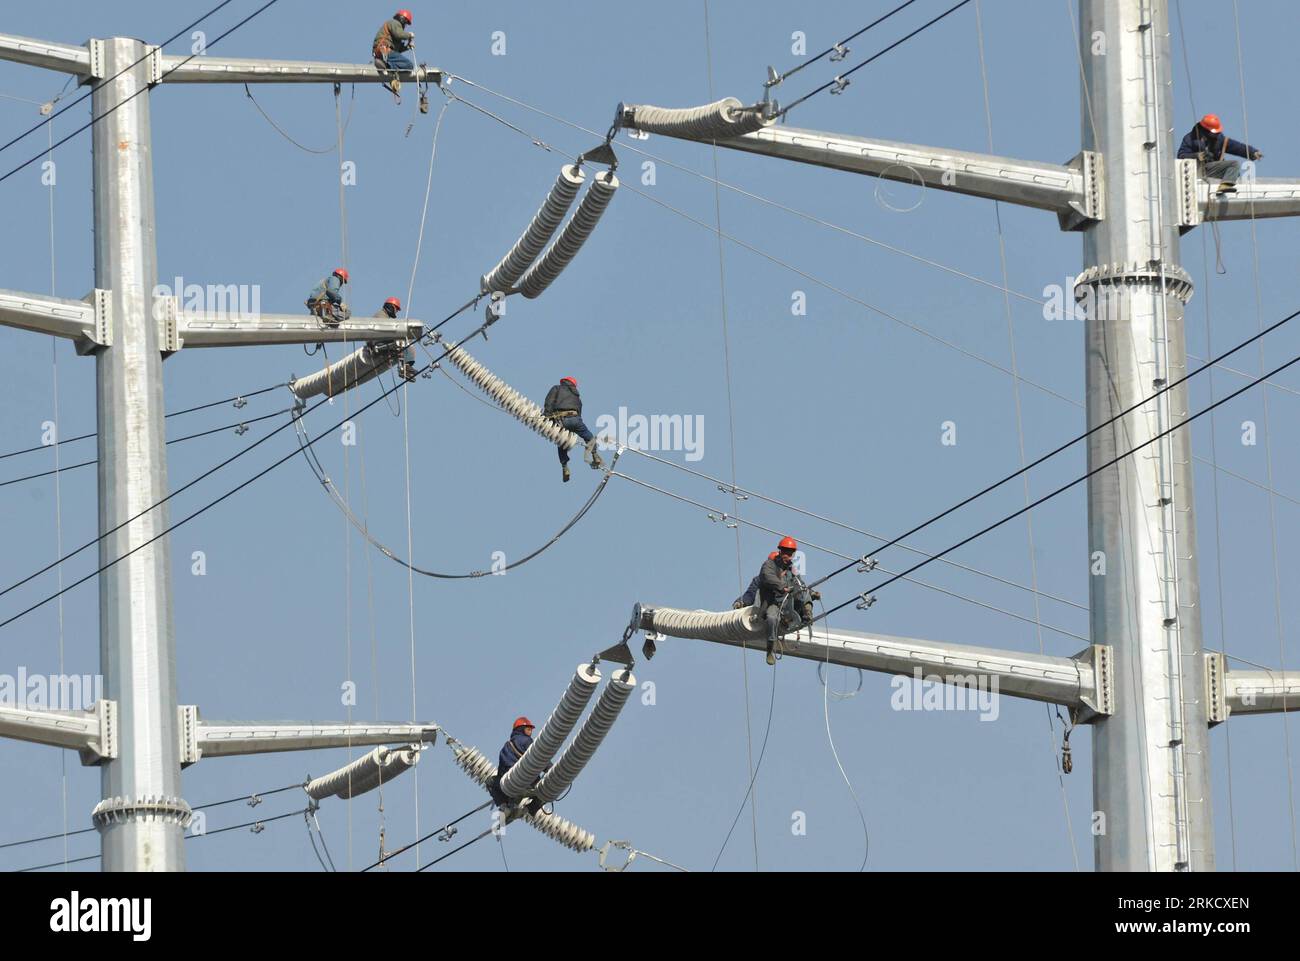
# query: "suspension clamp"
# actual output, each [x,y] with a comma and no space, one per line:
[623,846]
[240,403]
[865,601]
[734,492]
[866,564]
[838,85]
[839,52]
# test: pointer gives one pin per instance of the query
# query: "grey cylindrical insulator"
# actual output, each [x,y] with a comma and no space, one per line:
[529,247]
[472,761]
[519,779]
[513,402]
[565,832]
[572,237]
[576,755]
[713,121]
[363,364]
[364,774]
[742,625]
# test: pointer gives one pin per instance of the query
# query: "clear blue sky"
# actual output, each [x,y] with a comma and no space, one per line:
[838,411]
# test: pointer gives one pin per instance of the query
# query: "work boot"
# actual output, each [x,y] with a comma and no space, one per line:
[1226,188]
[771,658]
[395,85]
[406,370]
[565,468]
[596,462]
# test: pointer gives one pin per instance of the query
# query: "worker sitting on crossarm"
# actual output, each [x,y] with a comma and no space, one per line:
[406,366]
[564,406]
[326,299]
[1207,143]
[748,598]
[785,599]
[392,45]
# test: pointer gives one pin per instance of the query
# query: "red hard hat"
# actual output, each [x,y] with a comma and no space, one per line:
[1212,123]
[570,380]
[788,544]
[342,274]
[523,722]
[404,15]
[394,301]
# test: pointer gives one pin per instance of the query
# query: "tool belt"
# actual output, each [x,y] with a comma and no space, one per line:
[381,49]
[561,414]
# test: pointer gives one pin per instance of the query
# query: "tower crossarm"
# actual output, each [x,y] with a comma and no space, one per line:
[64,57]
[236,330]
[233,738]
[73,319]
[1072,191]
[208,69]
[1081,682]
[1247,692]
[1254,199]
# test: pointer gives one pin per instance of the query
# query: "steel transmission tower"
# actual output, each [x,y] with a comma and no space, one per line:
[1146,686]
[139,734]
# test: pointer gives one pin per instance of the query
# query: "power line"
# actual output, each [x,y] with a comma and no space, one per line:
[174,440]
[176,413]
[842,77]
[189,517]
[208,473]
[199,807]
[144,89]
[840,46]
[126,69]
[1086,434]
[1079,480]
[388,857]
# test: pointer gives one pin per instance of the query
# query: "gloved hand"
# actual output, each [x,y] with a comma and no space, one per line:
[736,605]
[1257,155]
[815,595]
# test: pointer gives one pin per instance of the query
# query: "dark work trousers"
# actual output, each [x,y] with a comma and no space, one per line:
[576,425]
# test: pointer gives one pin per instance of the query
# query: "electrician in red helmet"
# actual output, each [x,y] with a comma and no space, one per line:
[564,406]
[406,366]
[392,47]
[782,594]
[326,298]
[1208,144]
[521,738]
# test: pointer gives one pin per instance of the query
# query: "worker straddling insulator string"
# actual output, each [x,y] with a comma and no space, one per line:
[777,602]
[785,600]
[560,422]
